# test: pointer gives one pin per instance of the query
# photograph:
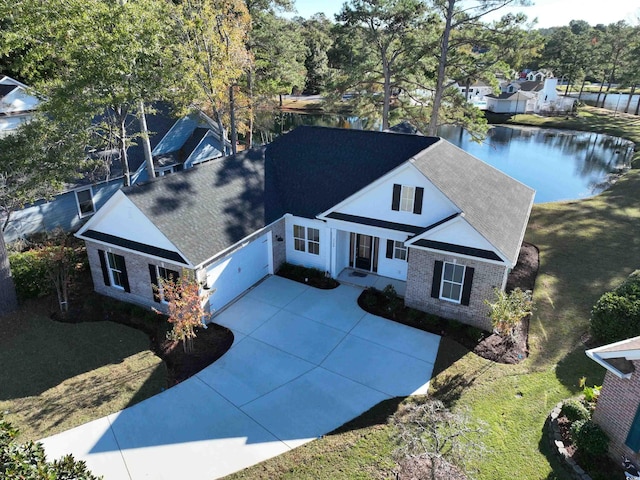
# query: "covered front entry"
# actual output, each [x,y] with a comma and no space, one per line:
[238,271]
[363,252]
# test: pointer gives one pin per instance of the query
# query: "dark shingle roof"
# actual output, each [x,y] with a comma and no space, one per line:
[311,169]
[6,89]
[404,127]
[208,208]
[205,210]
[531,86]
[496,205]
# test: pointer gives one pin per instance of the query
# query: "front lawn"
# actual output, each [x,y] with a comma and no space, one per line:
[55,376]
[586,248]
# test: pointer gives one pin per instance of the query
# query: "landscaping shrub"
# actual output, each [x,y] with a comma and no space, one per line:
[29,271]
[28,460]
[311,276]
[589,438]
[508,309]
[575,411]
[616,314]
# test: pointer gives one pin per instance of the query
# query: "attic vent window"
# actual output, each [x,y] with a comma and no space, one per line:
[84,198]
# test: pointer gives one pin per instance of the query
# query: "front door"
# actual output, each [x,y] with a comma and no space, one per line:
[363,252]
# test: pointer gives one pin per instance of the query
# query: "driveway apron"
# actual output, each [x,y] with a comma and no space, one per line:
[304,361]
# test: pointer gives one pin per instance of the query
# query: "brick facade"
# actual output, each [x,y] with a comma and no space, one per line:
[617,405]
[138,268]
[137,274]
[487,276]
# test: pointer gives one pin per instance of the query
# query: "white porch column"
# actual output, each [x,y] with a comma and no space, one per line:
[334,253]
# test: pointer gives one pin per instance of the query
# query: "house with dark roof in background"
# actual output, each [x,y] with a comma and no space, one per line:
[176,145]
[414,210]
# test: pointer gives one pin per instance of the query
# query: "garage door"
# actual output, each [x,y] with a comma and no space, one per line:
[235,273]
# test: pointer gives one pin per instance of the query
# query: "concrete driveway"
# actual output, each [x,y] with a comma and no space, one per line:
[303,362]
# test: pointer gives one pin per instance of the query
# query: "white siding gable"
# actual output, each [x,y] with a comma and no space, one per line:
[123,219]
[375,200]
[459,232]
[18,101]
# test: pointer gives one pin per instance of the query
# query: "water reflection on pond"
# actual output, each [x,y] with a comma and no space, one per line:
[558,164]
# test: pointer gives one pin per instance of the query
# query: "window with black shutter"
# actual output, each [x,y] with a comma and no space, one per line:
[117,271]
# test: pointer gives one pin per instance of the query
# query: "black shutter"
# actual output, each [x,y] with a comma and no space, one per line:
[153,273]
[103,265]
[395,203]
[417,201]
[437,278]
[389,248]
[124,277]
[466,288]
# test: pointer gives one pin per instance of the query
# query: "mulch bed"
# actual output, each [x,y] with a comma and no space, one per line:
[509,350]
[514,349]
[88,306]
[208,346]
[602,468]
[309,276]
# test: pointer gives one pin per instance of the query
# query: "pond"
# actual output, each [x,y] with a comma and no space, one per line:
[558,164]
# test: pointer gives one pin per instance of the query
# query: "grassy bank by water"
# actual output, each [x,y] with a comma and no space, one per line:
[586,248]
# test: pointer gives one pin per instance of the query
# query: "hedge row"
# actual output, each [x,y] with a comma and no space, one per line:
[616,315]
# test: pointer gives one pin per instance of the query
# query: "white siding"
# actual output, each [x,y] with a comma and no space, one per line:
[229,277]
[376,202]
[459,232]
[390,267]
[320,261]
[124,220]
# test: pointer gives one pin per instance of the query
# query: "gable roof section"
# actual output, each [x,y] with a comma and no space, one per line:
[494,204]
[518,95]
[312,169]
[6,89]
[617,357]
[206,209]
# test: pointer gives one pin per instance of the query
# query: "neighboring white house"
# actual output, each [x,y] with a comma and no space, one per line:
[407,207]
[528,96]
[475,92]
[17,104]
[514,102]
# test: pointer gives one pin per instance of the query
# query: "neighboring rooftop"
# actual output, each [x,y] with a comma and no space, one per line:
[617,357]
[6,90]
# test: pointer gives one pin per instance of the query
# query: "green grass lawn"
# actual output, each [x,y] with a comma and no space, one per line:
[56,376]
[586,248]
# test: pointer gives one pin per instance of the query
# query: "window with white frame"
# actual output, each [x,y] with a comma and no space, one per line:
[299,238]
[117,270]
[306,239]
[84,198]
[452,282]
[407,197]
[399,250]
[313,240]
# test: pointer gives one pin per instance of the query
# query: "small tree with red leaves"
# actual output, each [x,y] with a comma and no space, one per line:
[186,311]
